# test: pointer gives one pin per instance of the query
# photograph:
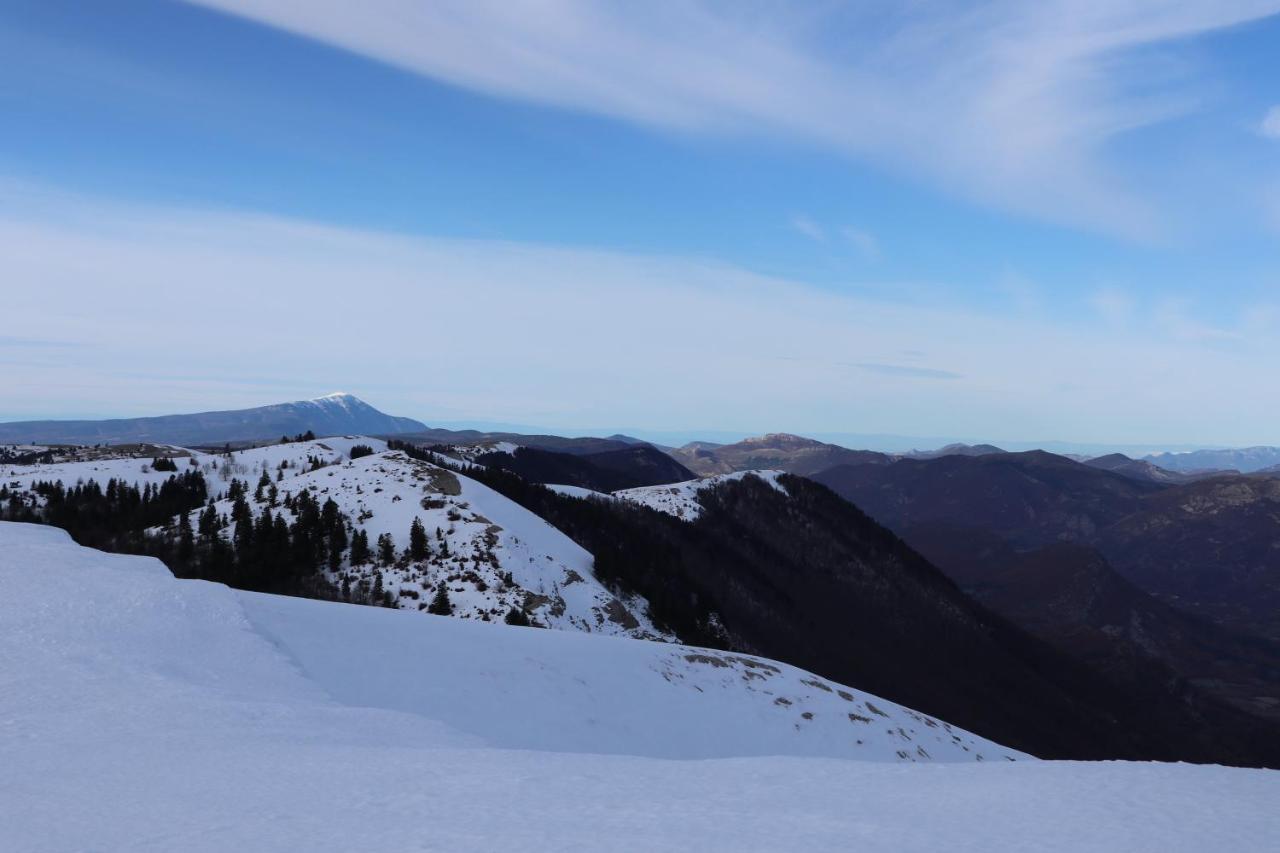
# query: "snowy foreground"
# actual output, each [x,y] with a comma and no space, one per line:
[144,713]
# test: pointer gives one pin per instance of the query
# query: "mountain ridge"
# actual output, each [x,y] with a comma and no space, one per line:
[338,413]
[781,451]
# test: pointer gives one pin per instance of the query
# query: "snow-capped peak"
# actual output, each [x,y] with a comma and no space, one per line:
[340,398]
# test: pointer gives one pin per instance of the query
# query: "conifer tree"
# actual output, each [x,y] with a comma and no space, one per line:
[386,549]
[263,482]
[359,547]
[208,524]
[417,540]
[243,536]
[186,539]
[440,604]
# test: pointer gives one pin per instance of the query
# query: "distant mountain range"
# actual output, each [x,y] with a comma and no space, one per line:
[956,450]
[1246,460]
[709,452]
[333,414]
[782,451]
[1138,469]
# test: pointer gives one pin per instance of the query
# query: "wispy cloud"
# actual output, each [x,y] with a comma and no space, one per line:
[864,241]
[514,332]
[806,226]
[1007,102]
[908,371]
[11,342]
[1177,318]
[1113,305]
[1270,126]
[1023,294]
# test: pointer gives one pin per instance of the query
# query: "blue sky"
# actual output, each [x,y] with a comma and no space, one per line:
[997,220]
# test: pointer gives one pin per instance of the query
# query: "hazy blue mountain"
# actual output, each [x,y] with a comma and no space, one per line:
[333,414]
[1246,460]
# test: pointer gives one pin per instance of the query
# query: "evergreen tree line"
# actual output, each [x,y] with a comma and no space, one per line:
[282,549]
[113,518]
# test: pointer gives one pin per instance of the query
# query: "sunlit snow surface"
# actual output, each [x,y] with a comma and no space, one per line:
[144,713]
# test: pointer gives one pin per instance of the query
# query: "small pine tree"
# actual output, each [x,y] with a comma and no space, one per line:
[386,549]
[359,547]
[208,524]
[417,541]
[515,616]
[440,604]
[186,537]
[263,482]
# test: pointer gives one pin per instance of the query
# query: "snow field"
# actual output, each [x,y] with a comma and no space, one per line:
[145,713]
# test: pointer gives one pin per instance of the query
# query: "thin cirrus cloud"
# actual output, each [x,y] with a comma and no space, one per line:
[11,342]
[1270,126]
[1007,103]
[808,228]
[864,242]
[907,371]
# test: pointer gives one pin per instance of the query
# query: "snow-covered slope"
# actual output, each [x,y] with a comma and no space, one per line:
[218,469]
[681,499]
[577,491]
[571,693]
[145,713]
[492,554]
[499,685]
